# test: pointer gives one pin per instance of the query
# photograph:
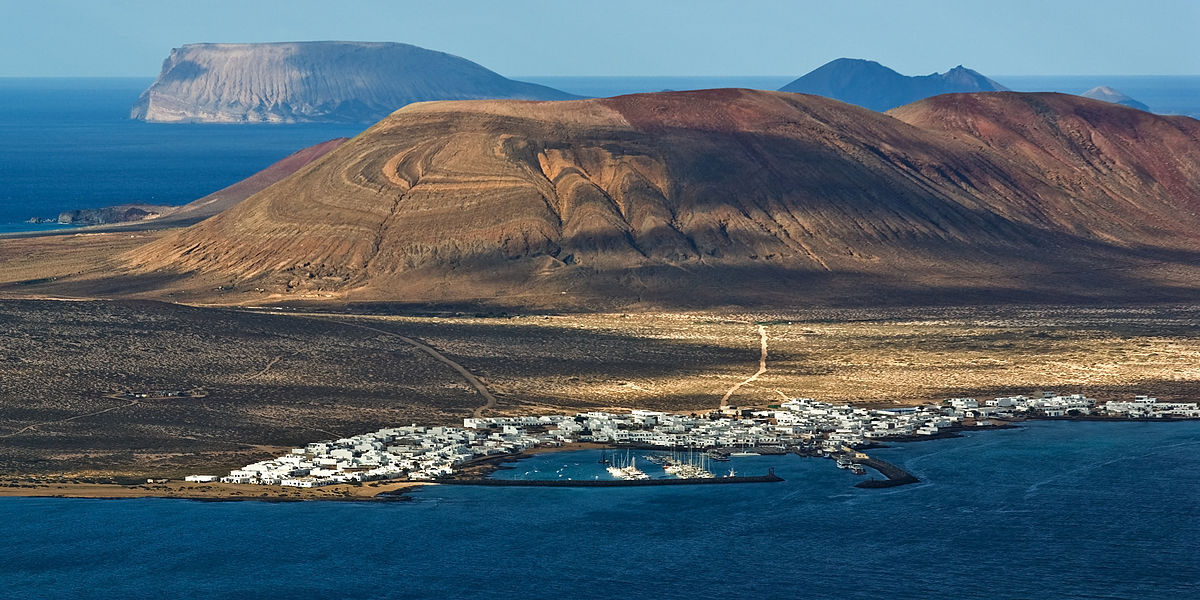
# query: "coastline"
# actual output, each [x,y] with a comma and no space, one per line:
[470,473]
[214,492]
[376,491]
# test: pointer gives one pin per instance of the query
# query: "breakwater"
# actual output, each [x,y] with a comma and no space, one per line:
[770,477]
[895,475]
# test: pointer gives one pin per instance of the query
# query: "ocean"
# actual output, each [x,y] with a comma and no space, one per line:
[1049,510]
[69,144]
[1168,95]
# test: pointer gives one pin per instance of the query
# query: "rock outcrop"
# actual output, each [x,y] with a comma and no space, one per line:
[122,213]
[295,82]
[716,198]
[871,85]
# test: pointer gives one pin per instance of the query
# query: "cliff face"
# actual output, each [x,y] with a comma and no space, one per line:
[871,85]
[720,197]
[315,82]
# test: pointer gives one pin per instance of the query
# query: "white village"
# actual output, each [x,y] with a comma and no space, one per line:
[802,426]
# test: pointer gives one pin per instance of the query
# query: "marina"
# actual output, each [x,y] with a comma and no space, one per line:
[770,477]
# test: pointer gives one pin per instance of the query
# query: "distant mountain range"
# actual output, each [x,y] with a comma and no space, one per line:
[293,82]
[871,85]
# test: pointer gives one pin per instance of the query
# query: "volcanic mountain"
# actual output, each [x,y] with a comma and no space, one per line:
[718,197]
[293,82]
[869,84]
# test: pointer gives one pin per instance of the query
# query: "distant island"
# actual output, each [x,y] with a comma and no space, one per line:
[295,82]
[871,85]
[1108,94]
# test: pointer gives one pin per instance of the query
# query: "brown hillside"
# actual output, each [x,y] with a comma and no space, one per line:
[717,197]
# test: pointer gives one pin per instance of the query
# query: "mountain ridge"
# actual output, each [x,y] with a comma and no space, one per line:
[871,85]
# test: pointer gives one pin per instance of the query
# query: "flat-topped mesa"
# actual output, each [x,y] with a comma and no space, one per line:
[717,197]
[869,84]
[290,82]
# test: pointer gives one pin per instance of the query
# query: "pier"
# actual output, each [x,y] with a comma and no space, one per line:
[895,475]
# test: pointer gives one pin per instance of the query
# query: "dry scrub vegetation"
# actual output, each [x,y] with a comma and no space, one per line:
[686,362]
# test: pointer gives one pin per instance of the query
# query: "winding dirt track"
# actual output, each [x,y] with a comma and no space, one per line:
[762,366]
[490,403]
[264,370]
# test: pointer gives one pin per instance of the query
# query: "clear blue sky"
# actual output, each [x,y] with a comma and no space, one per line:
[628,37]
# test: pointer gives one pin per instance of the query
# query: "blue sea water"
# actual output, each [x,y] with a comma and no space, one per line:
[1169,95]
[69,143]
[1049,510]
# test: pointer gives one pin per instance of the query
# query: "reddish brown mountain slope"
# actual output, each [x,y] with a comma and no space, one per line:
[717,197]
[1115,171]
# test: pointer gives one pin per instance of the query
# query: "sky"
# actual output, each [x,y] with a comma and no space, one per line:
[114,38]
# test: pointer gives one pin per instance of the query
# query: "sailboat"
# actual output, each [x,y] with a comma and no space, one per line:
[628,471]
[694,467]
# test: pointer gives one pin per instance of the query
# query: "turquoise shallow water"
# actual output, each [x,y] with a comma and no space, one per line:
[1050,510]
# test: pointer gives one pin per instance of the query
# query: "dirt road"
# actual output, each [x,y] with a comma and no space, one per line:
[762,367]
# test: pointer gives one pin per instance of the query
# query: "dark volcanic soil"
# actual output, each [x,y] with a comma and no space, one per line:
[266,380]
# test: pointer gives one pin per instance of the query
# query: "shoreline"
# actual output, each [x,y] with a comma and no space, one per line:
[470,474]
[215,492]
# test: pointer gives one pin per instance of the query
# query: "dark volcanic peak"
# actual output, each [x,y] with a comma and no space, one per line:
[713,198]
[1108,94]
[291,82]
[869,84]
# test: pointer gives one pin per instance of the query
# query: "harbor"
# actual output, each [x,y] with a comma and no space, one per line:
[769,477]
